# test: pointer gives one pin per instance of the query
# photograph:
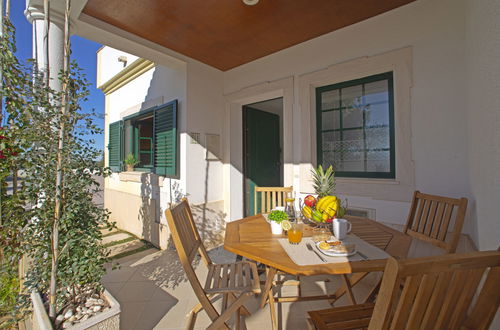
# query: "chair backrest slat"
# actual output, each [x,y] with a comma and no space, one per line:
[417,314]
[439,292]
[435,300]
[430,219]
[438,219]
[462,304]
[270,197]
[484,310]
[404,309]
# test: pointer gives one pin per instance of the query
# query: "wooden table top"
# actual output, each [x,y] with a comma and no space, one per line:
[251,238]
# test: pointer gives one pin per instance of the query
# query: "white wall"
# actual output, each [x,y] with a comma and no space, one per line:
[205,116]
[483,116]
[108,64]
[435,30]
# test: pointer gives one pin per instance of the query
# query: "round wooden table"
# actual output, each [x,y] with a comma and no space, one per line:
[251,237]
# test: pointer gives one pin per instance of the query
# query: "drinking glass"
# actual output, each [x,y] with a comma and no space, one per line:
[295,233]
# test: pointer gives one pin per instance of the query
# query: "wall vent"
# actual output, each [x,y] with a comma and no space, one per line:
[363,212]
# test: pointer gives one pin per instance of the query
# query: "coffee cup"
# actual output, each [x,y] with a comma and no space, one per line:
[341,227]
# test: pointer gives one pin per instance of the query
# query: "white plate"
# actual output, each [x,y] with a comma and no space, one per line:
[331,253]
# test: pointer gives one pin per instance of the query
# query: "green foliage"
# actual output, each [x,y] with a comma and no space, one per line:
[323,181]
[82,256]
[278,216]
[29,143]
[131,160]
[16,86]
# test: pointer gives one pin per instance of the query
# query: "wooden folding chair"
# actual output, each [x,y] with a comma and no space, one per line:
[431,216]
[235,282]
[270,197]
[452,291]
[429,220]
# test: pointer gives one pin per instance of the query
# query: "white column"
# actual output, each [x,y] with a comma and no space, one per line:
[35,16]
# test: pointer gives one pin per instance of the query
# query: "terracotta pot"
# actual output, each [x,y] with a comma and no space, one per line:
[129,168]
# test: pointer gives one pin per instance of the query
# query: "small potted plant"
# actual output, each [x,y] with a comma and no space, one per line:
[130,162]
[276,217]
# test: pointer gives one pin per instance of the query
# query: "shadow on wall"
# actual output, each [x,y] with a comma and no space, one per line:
[149,210]
[209,221]
[98,196]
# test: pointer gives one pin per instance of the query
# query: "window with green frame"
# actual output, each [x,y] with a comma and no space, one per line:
[150,135]
[355,127]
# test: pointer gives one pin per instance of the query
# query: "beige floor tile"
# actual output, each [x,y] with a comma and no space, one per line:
[153,313]
[136,292]
[130,314]
[162,295]
[121,274]
[176,316]
[114,287]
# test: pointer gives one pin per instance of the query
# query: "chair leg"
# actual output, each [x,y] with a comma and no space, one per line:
[310,324]
[238,319]
[268,286]
[220,321]
[191,320]
[347,283]
[244,310]
[272,310]
[373,293]
[225,301]
[355,278]
[197,308]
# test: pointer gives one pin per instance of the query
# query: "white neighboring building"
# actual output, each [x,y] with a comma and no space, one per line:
[145,111]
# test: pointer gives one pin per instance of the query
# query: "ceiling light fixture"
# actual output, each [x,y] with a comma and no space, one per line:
[250,2]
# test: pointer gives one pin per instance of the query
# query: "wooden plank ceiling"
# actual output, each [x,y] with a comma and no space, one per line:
[228,33]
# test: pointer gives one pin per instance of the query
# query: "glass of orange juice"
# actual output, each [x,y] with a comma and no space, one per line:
[295,233]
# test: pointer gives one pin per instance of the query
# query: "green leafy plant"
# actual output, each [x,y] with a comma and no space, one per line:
[131,160]
[278,216]
[50,216]
[323,181]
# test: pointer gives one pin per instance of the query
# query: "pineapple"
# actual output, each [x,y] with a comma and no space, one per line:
[323,181]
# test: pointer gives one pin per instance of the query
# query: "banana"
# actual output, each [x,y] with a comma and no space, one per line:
[330,211]
[323,202]
[317,216]
[325,216]
[307,211]
[320,202]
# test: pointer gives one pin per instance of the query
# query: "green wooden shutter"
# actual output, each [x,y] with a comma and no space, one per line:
[115,146]
[165,128]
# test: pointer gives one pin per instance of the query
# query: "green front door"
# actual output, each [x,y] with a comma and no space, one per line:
[261,153]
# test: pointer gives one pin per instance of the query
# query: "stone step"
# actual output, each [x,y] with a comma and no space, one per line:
[125,247]
[106,231]
[116,237]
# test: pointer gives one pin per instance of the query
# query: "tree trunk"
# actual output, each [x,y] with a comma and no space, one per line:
[59,169]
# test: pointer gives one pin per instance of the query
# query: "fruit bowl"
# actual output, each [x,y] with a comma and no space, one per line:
[322,210]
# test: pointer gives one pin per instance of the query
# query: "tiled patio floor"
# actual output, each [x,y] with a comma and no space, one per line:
[154,293]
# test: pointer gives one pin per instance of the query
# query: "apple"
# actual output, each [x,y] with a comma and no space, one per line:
[310,200]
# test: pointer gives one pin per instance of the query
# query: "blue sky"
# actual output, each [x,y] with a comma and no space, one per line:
[83,51]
